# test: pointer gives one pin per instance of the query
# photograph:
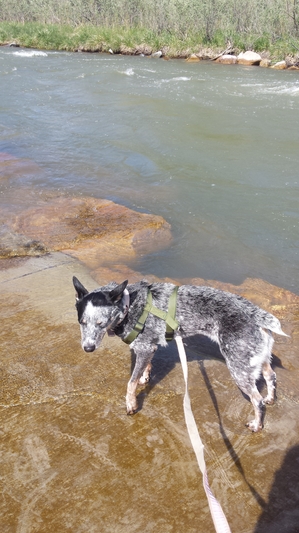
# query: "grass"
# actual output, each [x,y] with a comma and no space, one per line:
[94,38]
[137,39]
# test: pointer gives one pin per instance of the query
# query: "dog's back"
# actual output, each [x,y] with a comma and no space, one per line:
[212,310]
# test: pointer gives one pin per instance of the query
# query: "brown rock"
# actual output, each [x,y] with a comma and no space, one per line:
[227,59]
[193,59]
[92,230]
[281,65]
[249,58]
[265,63]
[293,67]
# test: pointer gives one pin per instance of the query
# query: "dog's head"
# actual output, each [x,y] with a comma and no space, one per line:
[99,311]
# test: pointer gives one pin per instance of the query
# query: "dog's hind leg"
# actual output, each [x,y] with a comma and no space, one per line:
[140,375]
[270,378]
[257,402]
[250,389]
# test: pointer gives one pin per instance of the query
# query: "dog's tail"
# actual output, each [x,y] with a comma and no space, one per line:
[271,322]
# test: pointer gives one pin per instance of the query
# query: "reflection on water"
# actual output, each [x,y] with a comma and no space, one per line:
[213,149]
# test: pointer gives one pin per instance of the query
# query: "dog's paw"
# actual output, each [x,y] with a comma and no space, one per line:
[131,411]
[268,401]
[254,426]
[131,406]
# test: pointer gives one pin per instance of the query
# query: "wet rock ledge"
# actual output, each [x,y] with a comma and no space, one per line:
[94,231]
[69,452]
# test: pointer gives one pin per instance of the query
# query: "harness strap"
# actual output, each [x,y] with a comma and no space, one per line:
[168,316]
[171,322]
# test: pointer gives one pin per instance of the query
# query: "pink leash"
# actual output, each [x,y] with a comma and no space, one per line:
[218,516]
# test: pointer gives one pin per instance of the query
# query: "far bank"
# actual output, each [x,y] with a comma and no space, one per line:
[142,41]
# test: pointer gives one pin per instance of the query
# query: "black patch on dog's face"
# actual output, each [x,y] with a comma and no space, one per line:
[96,298]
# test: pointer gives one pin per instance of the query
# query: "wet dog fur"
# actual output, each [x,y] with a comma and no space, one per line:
[241,329]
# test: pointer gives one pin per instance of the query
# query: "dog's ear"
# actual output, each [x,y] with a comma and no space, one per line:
[80,290]
[116,294]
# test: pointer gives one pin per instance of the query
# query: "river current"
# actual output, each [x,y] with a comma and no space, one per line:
[213,149]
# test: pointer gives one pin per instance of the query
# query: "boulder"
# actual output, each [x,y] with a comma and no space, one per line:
[249,58]
[265,63]
[281,65]
[227,59]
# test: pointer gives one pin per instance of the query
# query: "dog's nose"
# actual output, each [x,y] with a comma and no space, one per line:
[89,348]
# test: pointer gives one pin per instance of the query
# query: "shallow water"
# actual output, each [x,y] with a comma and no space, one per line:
[211,148]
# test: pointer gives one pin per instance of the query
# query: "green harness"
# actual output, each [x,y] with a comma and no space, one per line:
[168,316]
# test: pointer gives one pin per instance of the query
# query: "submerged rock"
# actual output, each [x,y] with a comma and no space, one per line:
[14,168]
[93,230]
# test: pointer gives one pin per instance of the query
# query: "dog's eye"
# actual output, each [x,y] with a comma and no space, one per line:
[83,322]
[99,322]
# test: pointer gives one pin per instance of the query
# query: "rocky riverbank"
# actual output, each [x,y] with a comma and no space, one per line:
[249,58]
[226,57]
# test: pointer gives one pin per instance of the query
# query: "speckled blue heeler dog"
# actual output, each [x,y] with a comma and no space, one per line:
[241,329]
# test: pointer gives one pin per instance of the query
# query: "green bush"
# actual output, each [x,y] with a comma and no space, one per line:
[182,17]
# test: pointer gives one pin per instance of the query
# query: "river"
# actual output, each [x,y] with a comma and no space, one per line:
[214,149]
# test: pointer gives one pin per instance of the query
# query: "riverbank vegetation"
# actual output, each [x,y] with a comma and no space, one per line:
[178,27]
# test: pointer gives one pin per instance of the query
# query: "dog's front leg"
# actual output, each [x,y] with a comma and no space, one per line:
[140,375]
[146,376]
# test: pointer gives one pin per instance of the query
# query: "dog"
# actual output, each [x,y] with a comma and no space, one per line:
[241,329]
